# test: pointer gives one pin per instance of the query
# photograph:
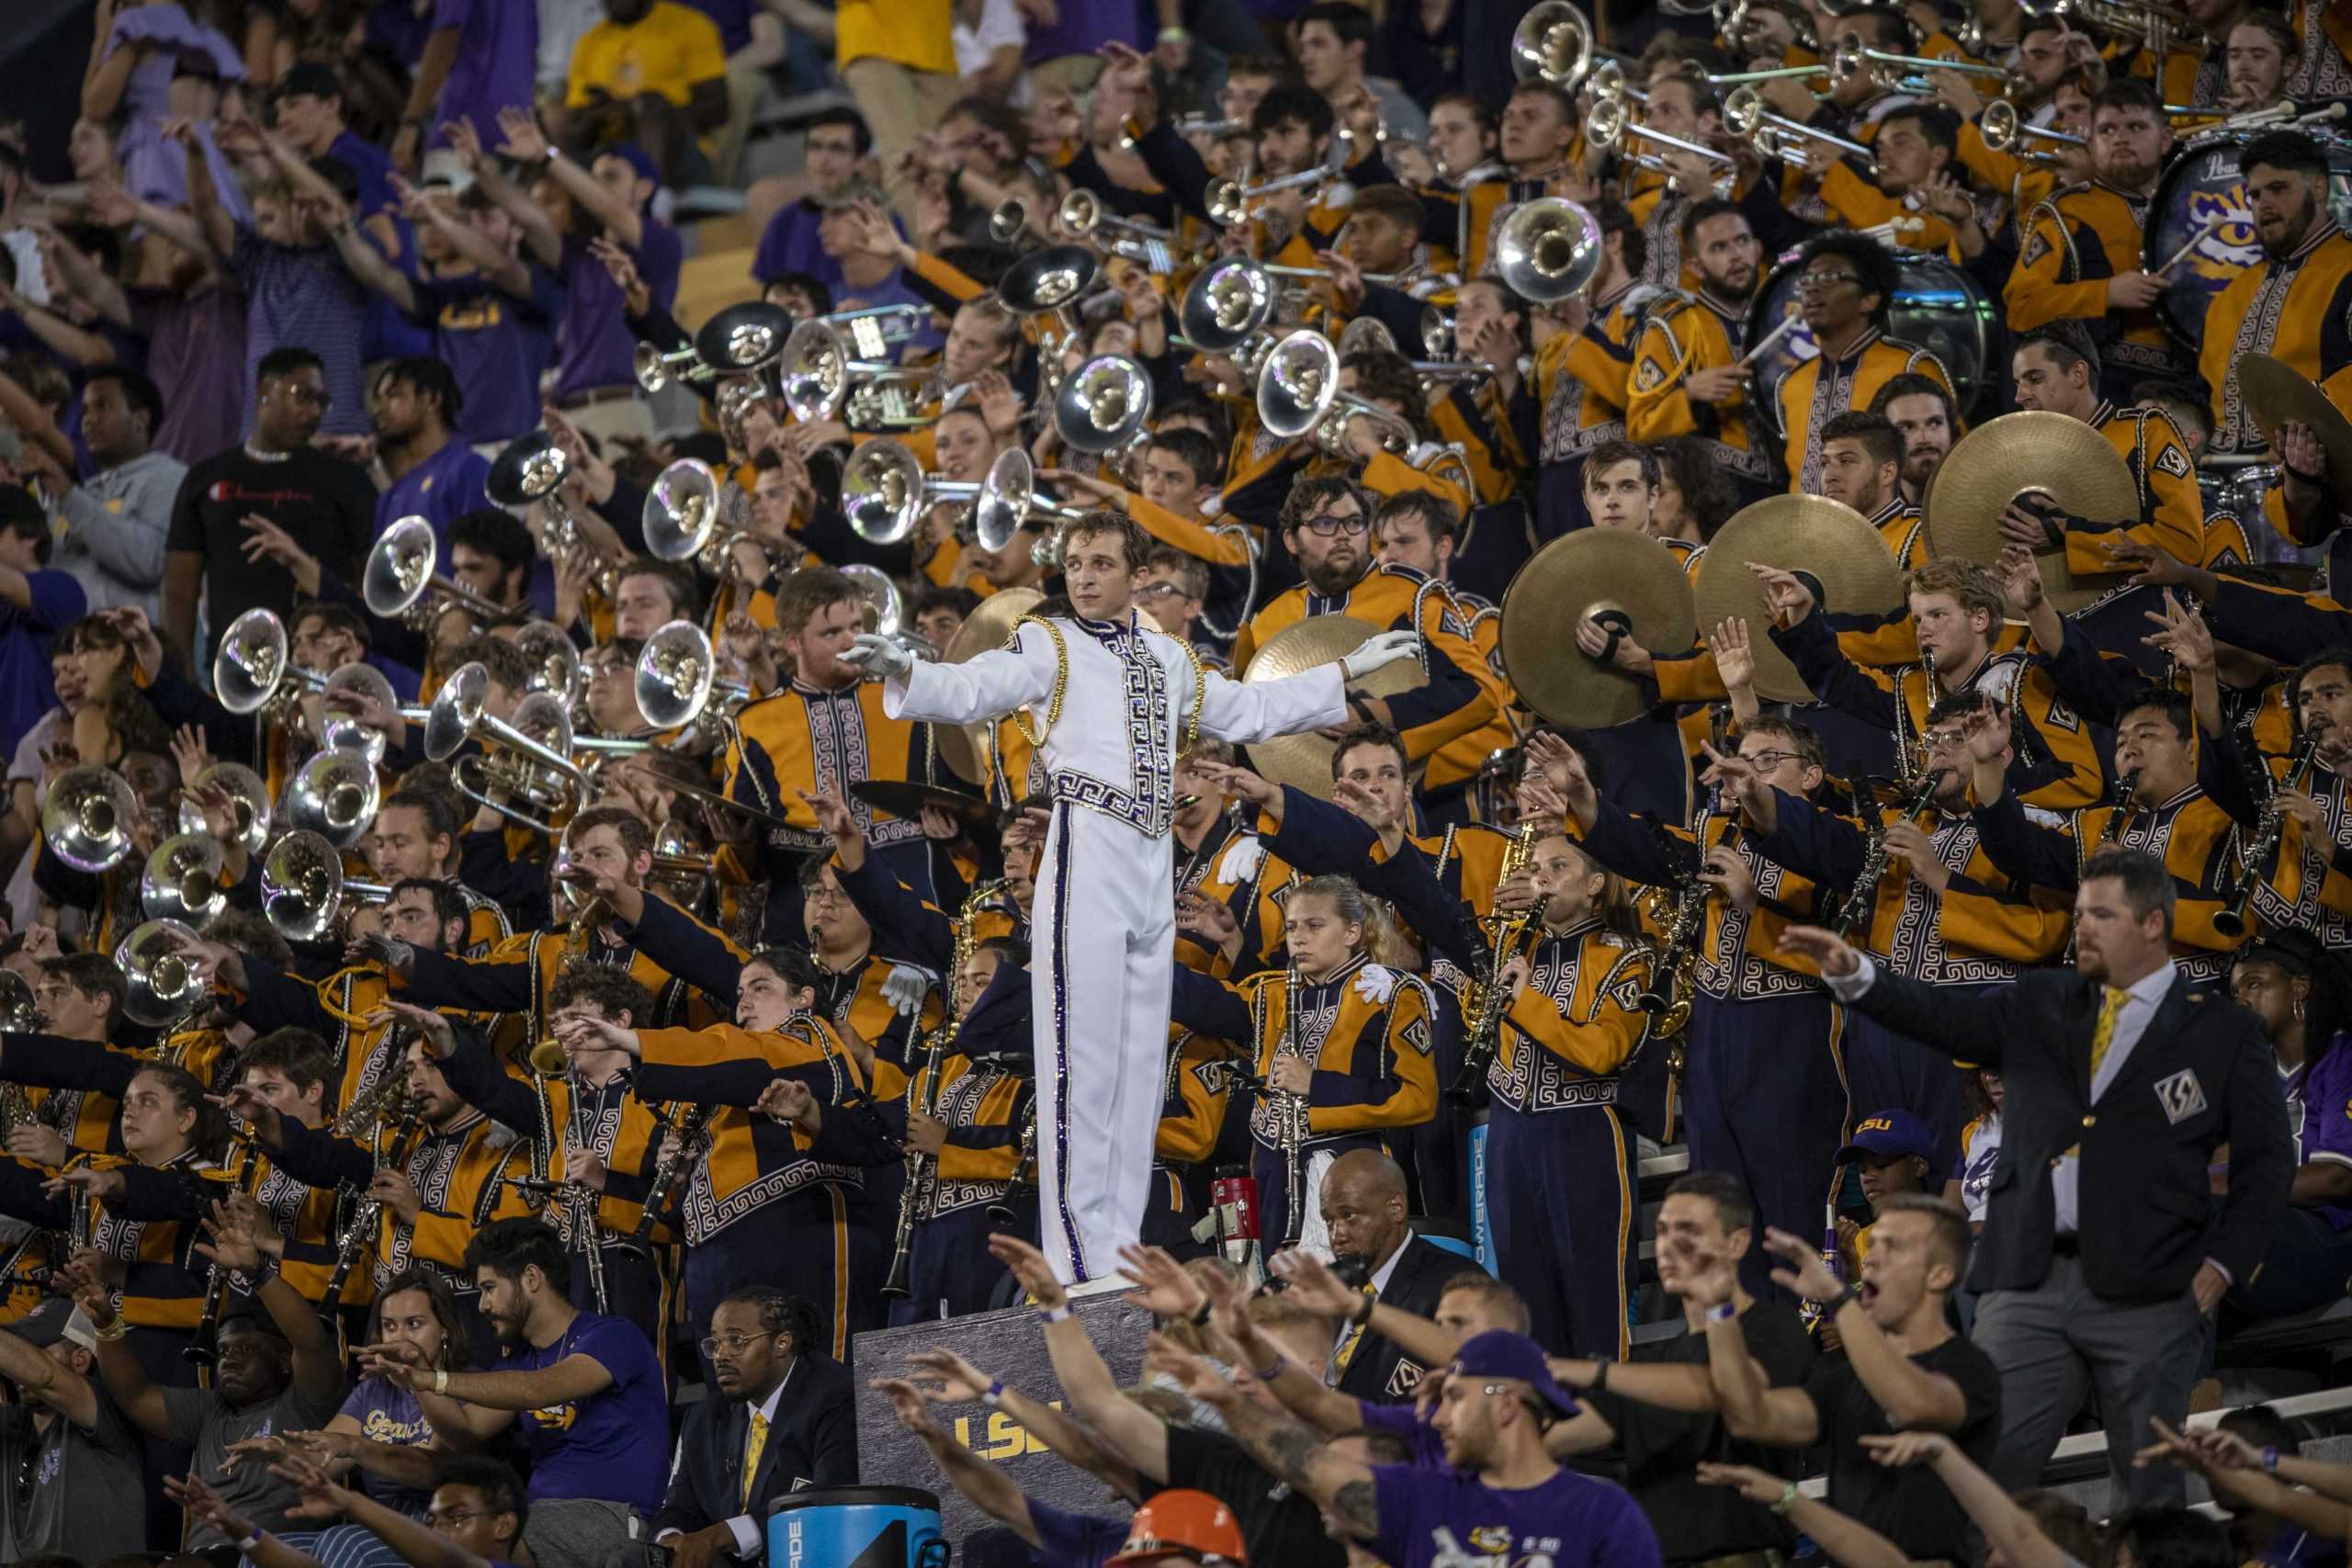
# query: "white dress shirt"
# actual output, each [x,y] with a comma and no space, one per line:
[749,1542]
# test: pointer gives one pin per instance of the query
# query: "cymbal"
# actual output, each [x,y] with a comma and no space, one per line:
[1564,584]
[2026,452]
[905,797]
[1852,569]
[962,747]
[2280,394]
[1306,759]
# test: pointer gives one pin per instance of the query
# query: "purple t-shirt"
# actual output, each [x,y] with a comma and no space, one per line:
[733,17]
[24,635]
[495,343]
[195,352]
[389,1413]
[1083,27]
[1450,1515]
[1405,1421]
[614,1445]
[1074,1540]
[789,245]
[305,299]
[593,345]
[2322,1093]
[498,51]
[441,489]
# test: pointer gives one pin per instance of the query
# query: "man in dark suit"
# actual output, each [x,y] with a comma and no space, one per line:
[1363,1206]
[784,1423]
[2120,1082]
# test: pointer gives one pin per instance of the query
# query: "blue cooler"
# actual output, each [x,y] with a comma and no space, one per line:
[856,1526]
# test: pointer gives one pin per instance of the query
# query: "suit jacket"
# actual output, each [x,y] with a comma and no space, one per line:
[1379,1371]
[812,1443]
[2200,1075]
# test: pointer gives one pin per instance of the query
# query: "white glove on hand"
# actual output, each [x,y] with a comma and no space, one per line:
[877,654]
[1379,652]
[904,989]
[1375,983]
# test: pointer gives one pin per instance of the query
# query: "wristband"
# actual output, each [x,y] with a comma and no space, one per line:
[1174,35]
[1267,1374]
[2314,480]
[112,1331]
[1788,1499]
[1200,1318]
[1838,1303]
[250,1541]
[995,1393]
[1054,1313]
[2270,1459]
[441,1380]
[1723,1312]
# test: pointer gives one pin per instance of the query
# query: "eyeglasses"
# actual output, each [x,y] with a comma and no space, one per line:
[1825,279]
[1331,524]
[1160,590]
[1951,739]
[464,1516]
[1765,762]
[299,393]
[735,1344]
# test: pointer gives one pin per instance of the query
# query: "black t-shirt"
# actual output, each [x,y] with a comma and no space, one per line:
[326,505]
[1662,1447]
[1281,1527]
[1909,1505]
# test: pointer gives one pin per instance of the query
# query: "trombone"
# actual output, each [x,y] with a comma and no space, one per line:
[1229,200]
[1609,123]
[1777,136]
[399,580]
[1887,69]
[1082,214]
[2004,129]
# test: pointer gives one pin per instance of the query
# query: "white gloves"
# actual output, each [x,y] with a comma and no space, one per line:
[877,654]
[1378,653]
[905,987]
[1373,983]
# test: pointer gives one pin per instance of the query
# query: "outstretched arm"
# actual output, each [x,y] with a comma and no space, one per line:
[1296,1454]
[981,689]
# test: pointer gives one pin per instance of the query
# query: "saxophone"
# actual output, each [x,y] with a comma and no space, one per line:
[2253,861]
[1501,931]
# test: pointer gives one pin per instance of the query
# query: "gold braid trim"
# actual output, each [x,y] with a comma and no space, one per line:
[1037,736]
[1200,695]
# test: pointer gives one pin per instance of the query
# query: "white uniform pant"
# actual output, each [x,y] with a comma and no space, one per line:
[1103,924]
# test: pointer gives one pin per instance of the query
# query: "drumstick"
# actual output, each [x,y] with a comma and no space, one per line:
[1788,324]
[2181,254]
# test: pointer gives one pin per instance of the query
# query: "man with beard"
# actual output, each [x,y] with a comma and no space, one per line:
[1326,527]
[2081,259]
[2293,305]
[2259,53]
[434,475]
[1687,375]
[1846,286]
[1922,413]
[2057,372]
[278,1370]
[585,1391]
[1685,110]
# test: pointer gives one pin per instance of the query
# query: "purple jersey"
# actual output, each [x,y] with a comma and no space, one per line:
[498,51]
[2320,1099]
[1450,1517]
[440,489]
[614,1445]
[496,345]
[789,245]
[594,345]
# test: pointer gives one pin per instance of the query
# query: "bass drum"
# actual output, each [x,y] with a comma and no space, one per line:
[2202,197]
[1937,307]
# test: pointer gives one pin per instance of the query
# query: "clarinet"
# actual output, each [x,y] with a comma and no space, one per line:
[2254,862]
[204,1349]
[1025,1171]
[582,1206]
[1863,894]
[923,1174]
[1290,1110]
[362,1229]
[657,1195]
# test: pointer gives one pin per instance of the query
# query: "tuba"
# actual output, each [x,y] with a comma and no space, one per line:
[87,818]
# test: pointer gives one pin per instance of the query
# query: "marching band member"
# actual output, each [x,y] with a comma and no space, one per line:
[1846,286]
[1921,410]
[1688,378]
[2291,306]
[416,837]
[2058,373]
[1861,466]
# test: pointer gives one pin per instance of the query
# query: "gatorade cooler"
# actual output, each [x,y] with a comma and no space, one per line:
[856,1526]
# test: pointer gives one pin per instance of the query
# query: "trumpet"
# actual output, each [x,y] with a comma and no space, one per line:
[656,369]
[1370,334]
[2003,129]
[399,580]
[1609,124]
[253,670]
[2255,860]
[1082,213]
[1553,41]
[1299,393]
[1776,136]
[1504,931]
[86,820]
[1229,200]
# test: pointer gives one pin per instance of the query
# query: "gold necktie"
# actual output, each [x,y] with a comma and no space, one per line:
[2111,1008]
[1355,1337]
[752,1446]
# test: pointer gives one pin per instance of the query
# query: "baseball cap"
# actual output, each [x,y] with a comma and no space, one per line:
[53,1320]
[636,157]
[1181,1520]
[1498,1353]
[1889,1133]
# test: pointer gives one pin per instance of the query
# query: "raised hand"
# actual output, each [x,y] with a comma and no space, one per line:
[1734,657]
[1030,1268]
[1790,600]
[1162,1287]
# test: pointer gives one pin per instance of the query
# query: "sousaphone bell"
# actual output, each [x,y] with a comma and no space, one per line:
[334,795]
[87,818]
[181,880]
[159,985]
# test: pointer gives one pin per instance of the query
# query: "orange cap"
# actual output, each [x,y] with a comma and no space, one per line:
[1182,1520]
